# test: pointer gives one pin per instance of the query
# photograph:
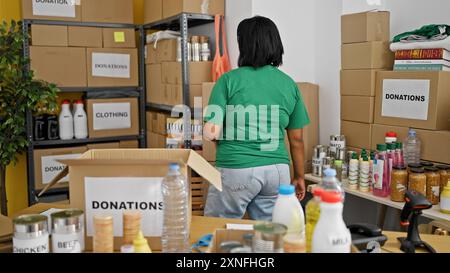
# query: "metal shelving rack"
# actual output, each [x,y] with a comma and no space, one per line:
[32,192]
[181,22]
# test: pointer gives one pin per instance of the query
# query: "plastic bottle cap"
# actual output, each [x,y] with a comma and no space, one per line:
[66,102]
[391,146]
[415,166]
[416,170]
[338,163]
[330,172]
[412,133]
[399,145]
[382,147]
[331,197]
[443,167]
[426,164]
[431,169]
[317,191]
[365,158]
[174,166]
[287,189]
[391,134]
[79,102]
[354,156]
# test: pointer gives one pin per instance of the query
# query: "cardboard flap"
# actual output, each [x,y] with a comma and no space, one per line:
[55,180]
[203,168]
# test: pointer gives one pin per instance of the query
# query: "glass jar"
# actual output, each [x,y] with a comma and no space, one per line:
[433,184]
[68,231]
[205,51]
[444,172]
[418,181]
[31,234]
[195,43]
[399,183]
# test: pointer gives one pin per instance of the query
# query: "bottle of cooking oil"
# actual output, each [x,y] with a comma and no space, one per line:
[312,216]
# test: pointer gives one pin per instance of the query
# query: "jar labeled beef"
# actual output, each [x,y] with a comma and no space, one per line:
[433,184]
[418,181]
[399,183]
[444,172]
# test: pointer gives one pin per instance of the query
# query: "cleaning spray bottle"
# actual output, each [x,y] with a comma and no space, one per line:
[141,244]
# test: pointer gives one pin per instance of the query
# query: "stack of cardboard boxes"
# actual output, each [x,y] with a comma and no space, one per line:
[365,51]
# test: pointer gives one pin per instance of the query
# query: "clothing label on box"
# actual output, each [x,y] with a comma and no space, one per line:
[114,195]
[51,167]
[57,8]
[111,65]
[407,99]
[110,116]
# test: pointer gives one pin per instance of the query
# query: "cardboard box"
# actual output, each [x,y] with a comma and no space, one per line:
[207,88]
[97,180]
[369,55]
[164,51]
[365,27]
[63,66]
[357,108]
[195,91]
[357,150]
[46,166]
[379,133]
[156,141]
[43,35]
[113,117]
[108,11]
[174,7]
[358,135]
[60,10]
[413,99]
[199,72]
[85,37]
[119,38]
[153,11]
[151,55]
[103,146]
[129,144]
[112,67]
[157,122]
[358,82]
[154,83]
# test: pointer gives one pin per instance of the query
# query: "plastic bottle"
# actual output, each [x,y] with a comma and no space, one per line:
[288,210]
[399,154]
[175,236]
[331,235]
[140,244]
[380,171]
[331,183]
[412,148]
[338,168]
[372,158]
[445,199]
[312,216]
[364,173]
[391,137]
[66,122]
[390,153]
[353,173]
[80,121]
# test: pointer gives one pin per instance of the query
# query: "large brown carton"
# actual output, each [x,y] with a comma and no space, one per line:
[156,141]
[43,35]
[211,7]
[413,99]
[157,122]
[119,38]
[154,83]
[111,181]
[195,91]
[199,72]
[51,10]
[358,82]
[113,117]
[112,67]
[46,165]
[357,134]
[63,66]
[129,144]
[153,10]
[85,37]
[357,108]
[369,55]
[365,27]
[108,11]
[164,51]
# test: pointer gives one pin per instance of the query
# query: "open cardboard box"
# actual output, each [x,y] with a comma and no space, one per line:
[111,181]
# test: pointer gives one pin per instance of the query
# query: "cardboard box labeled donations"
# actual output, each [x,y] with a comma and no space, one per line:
[112,67]
[108,11]
[111,181]
[365,27]
[43,35]
[357,108]
[46,165]
[413,99]
[211,7]
[113,117]
[66,10]
[369,55]
[63,66]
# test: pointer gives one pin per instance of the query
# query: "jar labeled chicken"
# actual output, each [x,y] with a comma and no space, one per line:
[444,172]
[433,184]
[418,181]
[399,183]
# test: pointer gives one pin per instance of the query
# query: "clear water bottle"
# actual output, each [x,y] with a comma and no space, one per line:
[412,148]
[331,183]
[175,237]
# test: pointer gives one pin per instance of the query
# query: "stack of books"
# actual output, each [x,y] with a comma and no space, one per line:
[437,59]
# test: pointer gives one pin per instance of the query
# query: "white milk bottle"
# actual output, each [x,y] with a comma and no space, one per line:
[80,121]
[66,122]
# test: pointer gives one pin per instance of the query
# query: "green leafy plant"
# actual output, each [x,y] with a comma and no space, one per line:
[19,93]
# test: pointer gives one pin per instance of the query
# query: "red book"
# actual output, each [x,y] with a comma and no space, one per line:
[423,54]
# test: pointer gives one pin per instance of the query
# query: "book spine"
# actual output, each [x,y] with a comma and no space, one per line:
[423,61]
[416,67]
[436,53]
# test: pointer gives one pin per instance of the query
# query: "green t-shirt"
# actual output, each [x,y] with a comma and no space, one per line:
[255,107]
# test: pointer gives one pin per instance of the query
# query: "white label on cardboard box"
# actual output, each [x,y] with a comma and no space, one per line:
[57,8]
[50,167]
[111,116]
[407,99]
[114,195]
[111,65]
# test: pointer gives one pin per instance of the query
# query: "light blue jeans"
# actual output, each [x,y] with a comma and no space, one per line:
[253,189]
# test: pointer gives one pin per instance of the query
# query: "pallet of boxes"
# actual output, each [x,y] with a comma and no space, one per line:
[76,58]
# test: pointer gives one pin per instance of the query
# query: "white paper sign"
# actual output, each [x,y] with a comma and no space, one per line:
[50,167]
[110,116]
[111,65]
[407,99]
[114,195]
[59,8]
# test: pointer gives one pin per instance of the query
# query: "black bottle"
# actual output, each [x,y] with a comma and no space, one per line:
[52,127]
[39,128]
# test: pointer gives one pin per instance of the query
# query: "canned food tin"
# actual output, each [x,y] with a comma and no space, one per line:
[269,238]
[336,141]
[68,231]
[31,234]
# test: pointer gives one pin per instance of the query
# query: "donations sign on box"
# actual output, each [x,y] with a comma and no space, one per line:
[62,8]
